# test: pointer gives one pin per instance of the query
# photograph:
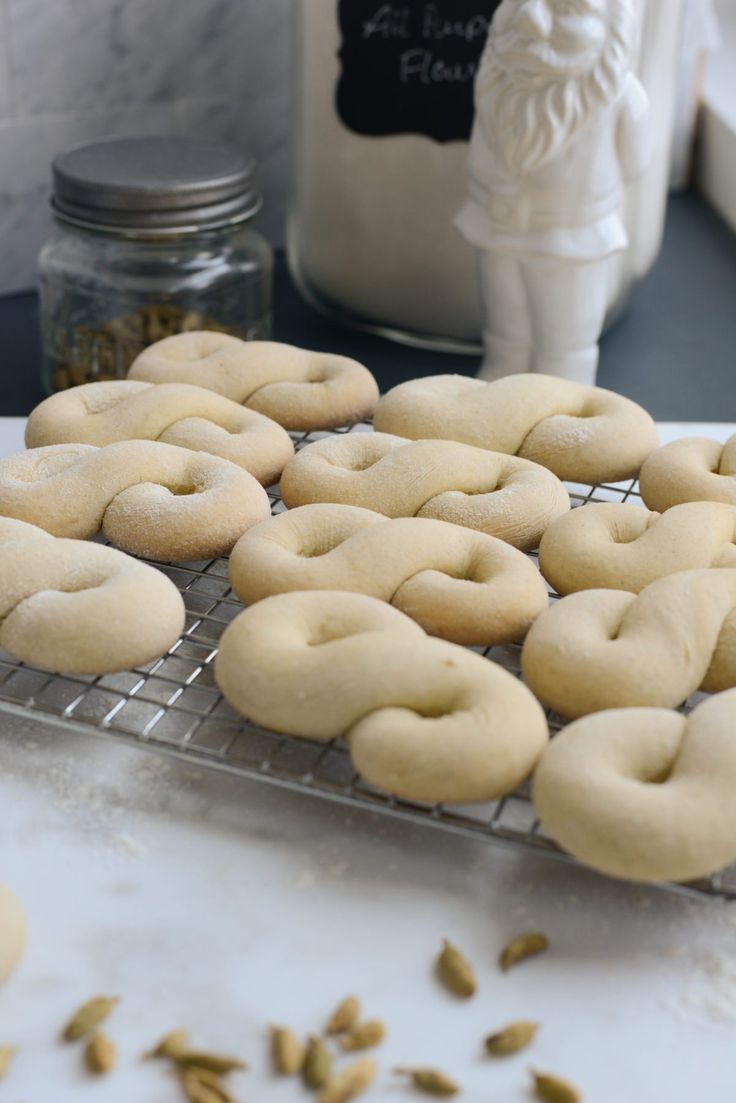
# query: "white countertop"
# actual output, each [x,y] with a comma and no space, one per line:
[208,901]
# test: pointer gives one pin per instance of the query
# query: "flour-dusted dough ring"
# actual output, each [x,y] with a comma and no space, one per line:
[298,389]
[151,499]
[424,719]
[13,932]
[503,496]
[617,546]
[644,794]
[463,586]
[175,413]
[602,649]
[79,608]
[694,469]
[584,434]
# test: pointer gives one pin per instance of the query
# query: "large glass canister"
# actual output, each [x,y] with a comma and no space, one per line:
[383,109]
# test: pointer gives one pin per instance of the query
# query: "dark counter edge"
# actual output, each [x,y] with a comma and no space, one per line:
[672,351]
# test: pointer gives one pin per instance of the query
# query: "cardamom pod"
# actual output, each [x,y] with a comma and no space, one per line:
[431,1081]
[219,1063]
[172,1044]
[349,1083]
[551,1089]
[317,1064]
[364,1035]
[455,971]
[511,1038]
[202,1086]
[288,1051]
[7,1053]
[100,1054]
[344,1017]
[88,1016]
[526,945]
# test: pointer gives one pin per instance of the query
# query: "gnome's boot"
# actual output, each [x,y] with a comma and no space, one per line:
[504,357]
[579,367]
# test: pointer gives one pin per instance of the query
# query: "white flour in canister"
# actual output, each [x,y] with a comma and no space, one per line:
[371,233]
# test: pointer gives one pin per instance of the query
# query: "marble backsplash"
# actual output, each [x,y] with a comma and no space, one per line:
[75,70]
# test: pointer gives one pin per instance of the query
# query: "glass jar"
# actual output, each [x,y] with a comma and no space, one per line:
[383,110]
[152,237]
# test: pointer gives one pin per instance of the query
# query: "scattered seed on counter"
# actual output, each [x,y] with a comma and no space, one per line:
[430,1081]
[7,1053]
[100,1054]
[171,1045]
[522,947]
[364,1035]
[349,1083]
[511,1039]
[317,1065]
[345,1016]
[552,1089]
[287,1051]
[89,1016]
[219,1063]
[455,971]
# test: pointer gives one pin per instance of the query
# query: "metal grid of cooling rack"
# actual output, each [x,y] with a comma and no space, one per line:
[172,706]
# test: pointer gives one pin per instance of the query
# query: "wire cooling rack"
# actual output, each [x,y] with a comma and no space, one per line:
[172,706]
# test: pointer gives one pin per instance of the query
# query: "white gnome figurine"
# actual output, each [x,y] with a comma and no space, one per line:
[561,127]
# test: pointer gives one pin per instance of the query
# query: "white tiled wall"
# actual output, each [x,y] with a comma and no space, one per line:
[73,70]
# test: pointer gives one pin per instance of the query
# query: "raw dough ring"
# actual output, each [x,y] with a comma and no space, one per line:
[175,413]
[512,499]
[298,389]
[463,586]
[617,546]
[603,649]
[424,719]
[78,608]
[694,469]
[13,932]
[644,794]
[151,499]
[584,434]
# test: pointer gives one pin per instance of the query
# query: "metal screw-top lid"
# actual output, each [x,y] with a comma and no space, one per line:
[154,185]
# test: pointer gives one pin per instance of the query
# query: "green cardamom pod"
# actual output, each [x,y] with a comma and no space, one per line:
[317,1063]
[171,1045]
[526,945]
[431,1081]
[455,971]
[349,1083]
[88,1016]
[287,1050]
[219,1063]
[551,1089]
[7,1053]
[344,1017]
[511,1038]
[364,1035]
[100,1054]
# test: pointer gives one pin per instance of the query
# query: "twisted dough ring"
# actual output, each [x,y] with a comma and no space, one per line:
[151,499]
[694,469]
[463,586]
[582,433]
[603,649]
[424,719]
[644,794]
[78,608]
[617,546]
[175,413]
[298,389]
[512,499]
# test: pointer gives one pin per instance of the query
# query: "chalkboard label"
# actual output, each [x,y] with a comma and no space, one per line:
[408,67]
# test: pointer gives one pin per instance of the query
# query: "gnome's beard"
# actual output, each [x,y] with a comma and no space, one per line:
[530,111]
